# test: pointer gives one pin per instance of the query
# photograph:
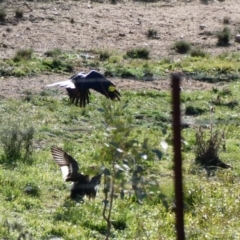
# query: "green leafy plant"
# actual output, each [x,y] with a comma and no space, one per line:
[125,161]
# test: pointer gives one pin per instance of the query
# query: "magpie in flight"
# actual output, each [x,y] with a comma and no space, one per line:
[82,184]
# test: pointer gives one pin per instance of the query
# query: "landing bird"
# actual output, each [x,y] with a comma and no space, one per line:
[78,87]
[82,184]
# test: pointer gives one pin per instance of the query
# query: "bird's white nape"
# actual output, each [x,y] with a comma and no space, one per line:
[82,74]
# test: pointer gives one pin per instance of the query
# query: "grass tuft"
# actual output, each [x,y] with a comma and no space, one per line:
[58,65]
[19,13]
[138,53]
[196,52]
[104,54]
[224,37]
[56,52]
[226,20]
[151,33]
[23,55]
[3,15]
[208,148]
[193,110]
[182,46]
[17,144]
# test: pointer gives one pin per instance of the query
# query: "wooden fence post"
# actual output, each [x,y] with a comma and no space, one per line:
[175,81]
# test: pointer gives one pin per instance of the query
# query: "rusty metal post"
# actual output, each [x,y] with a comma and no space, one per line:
[176,78]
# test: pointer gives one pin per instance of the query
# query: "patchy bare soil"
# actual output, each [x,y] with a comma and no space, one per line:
[83,25]
[12,86]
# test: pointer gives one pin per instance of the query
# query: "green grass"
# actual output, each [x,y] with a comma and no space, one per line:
[34,197]
[224,67]
[35,193]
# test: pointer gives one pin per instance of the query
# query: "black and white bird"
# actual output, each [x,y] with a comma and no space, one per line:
[82,184]
[78,87]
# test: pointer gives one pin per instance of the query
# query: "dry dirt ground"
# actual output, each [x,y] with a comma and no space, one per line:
[94,25]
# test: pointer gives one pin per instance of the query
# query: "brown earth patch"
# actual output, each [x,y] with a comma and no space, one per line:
[13,86]
[73,25]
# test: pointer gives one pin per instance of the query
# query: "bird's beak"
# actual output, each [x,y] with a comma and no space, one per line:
[111,89]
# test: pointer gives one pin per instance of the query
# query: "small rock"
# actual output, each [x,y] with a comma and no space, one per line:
[122,34]
[9,29]
[28,189]
[31,18]
[237,38]
[202,26]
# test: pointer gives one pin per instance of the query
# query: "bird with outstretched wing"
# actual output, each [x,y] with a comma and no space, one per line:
[78,87]
[82,184]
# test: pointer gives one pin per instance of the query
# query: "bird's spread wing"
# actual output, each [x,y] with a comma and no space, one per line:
[66,84]
[81,74]
[79,97]
[67,163]
[99,83]
[95,181]
[93,185]
[92,80]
